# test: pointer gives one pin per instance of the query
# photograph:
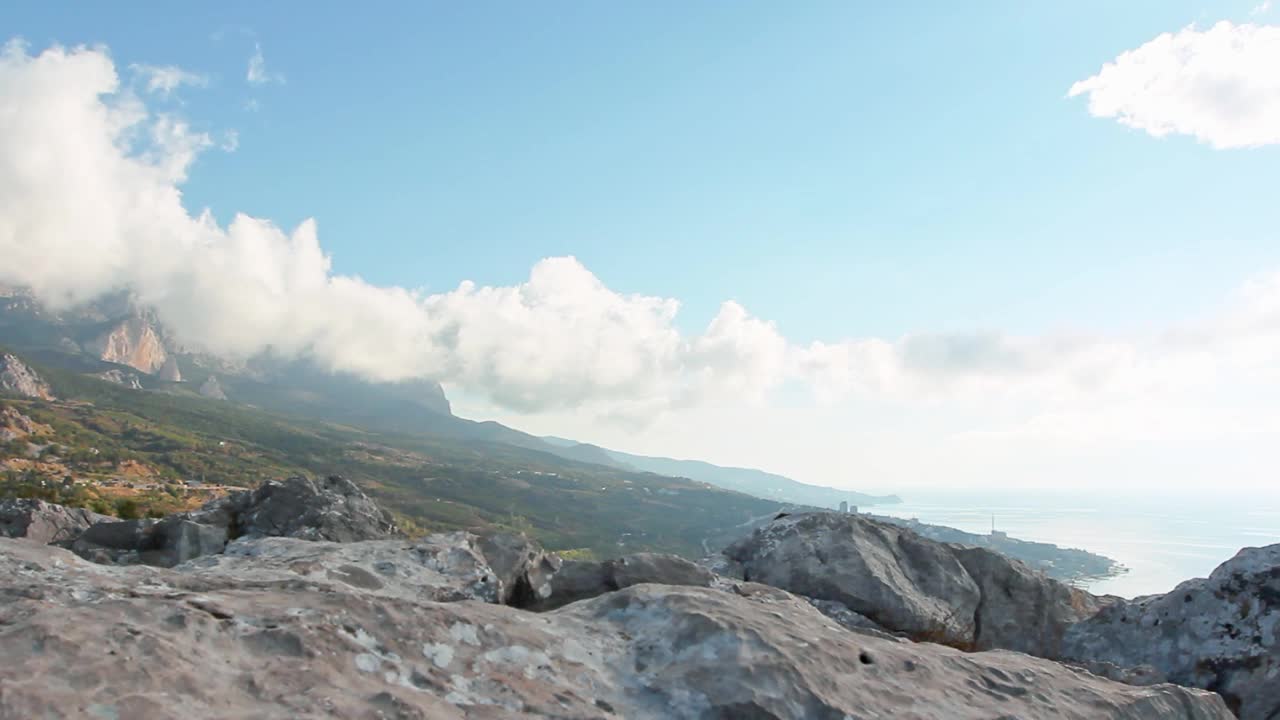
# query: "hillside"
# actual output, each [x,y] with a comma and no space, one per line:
[162,450]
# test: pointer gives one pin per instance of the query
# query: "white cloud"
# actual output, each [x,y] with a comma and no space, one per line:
[164,79]
[1262,8]
[230,141]
[1220,85]
[258,74]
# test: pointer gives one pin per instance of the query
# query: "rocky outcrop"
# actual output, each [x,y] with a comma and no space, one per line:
[132,341]
[211,639]
[42,522]
[18,379]
[970,598]
[163,543]
[118,377]
[333,509]
[329,509]
[14,424]
[1221,633]
[447,567]
[523,569]
[579,580]
[169,371]
[211,389]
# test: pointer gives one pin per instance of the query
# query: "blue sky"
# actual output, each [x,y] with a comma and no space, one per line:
[840,168]
[985,261]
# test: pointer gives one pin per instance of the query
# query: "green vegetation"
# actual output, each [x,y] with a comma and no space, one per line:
[159,443]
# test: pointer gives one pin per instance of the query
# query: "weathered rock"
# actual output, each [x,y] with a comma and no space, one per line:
[444,567]
[1020,608]
[1221,633]
[85,640]
[970,598]
[18,379]
[579,580]
[330,509]
[164,543]
[44,522]
[524,570]
[889,574]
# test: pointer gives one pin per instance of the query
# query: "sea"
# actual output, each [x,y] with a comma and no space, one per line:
[1161,538]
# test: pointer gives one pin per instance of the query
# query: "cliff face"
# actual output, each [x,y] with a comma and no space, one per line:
[133,341]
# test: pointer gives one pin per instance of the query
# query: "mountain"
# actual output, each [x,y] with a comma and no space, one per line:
[118,340]
[744,480]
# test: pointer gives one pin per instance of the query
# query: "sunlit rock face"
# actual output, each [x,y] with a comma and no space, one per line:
[967,597]
[132,341]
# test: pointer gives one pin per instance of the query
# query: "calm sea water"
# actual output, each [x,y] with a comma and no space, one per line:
[1163,540]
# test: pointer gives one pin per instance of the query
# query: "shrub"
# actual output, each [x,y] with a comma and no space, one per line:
[128,509]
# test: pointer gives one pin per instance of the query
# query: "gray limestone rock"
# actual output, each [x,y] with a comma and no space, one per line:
[163,543]
[330,509]
[44,522]
[579,580]
[85,640]
[967,597]
[1221,633]
[524,570]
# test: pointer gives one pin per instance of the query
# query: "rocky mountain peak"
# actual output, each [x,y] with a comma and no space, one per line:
[17,378]
[133,341]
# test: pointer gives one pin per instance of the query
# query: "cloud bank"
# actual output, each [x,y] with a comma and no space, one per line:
[1221,86]
[91,203]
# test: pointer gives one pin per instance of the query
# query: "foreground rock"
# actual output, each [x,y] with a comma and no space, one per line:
[86,640]
[43,522]
[580,580]
[1220,633]
[970,598]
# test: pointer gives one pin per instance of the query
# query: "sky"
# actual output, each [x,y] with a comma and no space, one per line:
[1001,244]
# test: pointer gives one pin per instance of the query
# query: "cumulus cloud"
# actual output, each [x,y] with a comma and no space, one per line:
[258,74]
[164,79]
[91,203]
[1221,86]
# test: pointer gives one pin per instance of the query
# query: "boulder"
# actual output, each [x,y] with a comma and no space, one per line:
[579,580]
[1020,608]
[331,509]
[166,643]
[889,574]
[164,543]
[1221,633]
[523,569]
[44,522]
[967,597]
